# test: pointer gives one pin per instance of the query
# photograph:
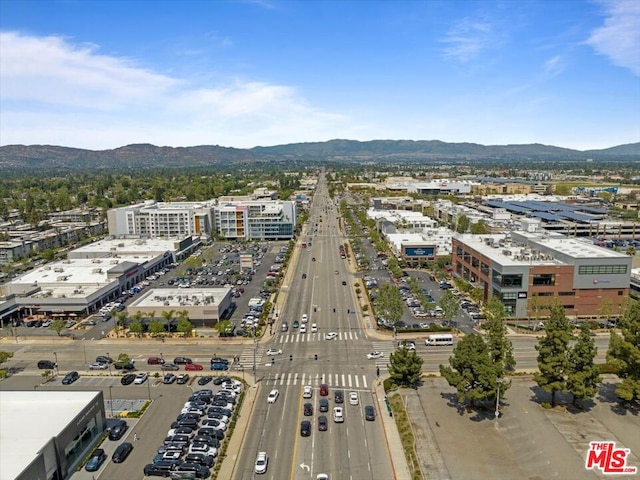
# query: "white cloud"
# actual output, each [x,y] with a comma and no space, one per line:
[467,39]
[57,92]
[554,66]
[619,37]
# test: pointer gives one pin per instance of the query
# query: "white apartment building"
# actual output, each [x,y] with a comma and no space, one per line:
[240,219]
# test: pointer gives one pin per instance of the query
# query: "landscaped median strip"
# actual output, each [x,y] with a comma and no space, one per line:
[406,434]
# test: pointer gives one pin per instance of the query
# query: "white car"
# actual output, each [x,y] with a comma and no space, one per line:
[273,396]
[303,328]
[98,366]
[314,328]
[330,335]
[304,318]
[353,398]
[274,351]
[262,461]
[140,378]
[307,392]
[375,355]
[338,415]
[203,448]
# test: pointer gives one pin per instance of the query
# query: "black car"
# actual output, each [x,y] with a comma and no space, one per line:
[97,458]
[200,458]
[339,396]
[305,428]
[159,469]
[104,359]
[117,430]
[128,379]
[323,405]
[219,360]
[182,360]
[200,470]
[308,409]
[204,380]
[122,452]
[323,424]
[220,380]
[70,377]
[210,440]
[369,413]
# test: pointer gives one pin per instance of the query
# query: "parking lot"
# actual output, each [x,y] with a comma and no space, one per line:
[527,441]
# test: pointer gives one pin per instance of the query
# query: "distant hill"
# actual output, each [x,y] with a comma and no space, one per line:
[43,158]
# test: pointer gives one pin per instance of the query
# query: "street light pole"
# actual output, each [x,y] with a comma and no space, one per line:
[111,399]
[498,382]
[255,349]
[57,368]
[109,363]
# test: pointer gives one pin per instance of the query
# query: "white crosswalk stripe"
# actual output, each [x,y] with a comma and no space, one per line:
[387,348]
[315,380]
[317,337]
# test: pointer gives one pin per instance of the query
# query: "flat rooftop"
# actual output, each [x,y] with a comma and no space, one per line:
[23,434]
[180,297]
[128,246]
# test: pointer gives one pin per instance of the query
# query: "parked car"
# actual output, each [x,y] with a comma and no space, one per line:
[182,378]
[96,460]
[104,359]
[204,380]
[117,430]
[122,452]
[125,366]
[98,366]
[70,377]
[140,378]
[219,366]
[169,378]
[128,378]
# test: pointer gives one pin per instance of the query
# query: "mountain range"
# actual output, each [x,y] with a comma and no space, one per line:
[48,158]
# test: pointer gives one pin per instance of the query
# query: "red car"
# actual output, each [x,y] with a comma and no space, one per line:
[324,390]
[193,366]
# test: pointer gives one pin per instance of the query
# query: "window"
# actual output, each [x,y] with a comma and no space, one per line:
[512,280]
[568,306]
[601,269]
[545,294]
[475,263]
[544,279]
[509,295]
[459,251]
[484,268]
[566,294]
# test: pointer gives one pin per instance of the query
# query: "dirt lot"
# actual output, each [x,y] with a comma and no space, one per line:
[527,442]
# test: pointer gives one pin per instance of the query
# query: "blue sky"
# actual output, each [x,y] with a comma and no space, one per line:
[102,74]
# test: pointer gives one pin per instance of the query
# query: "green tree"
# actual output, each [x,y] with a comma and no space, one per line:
[471,371]
[120,321]
[462,223]
[389,303]
[449,304]
[499,346]
[136,327]
[405,367]
[477,295]
[58,325]
[4,356]
[123,358]
[631,251]
[156,327]
[584,374]
[479,228]
[223,326]
[553,348]
[185,326]
[169,318]
[624,353]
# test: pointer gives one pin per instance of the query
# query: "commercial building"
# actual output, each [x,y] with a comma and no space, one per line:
[33,448]
[203,306]
[529,270]
[90,277]
[258,220]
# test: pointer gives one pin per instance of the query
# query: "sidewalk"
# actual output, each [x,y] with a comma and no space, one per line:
[392,436]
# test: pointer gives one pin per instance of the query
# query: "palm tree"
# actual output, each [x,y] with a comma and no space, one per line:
[168,316]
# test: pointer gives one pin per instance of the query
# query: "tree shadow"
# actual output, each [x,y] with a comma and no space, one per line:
[452,401]
[607,394]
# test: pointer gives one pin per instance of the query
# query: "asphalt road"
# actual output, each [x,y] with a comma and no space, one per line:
[354,449]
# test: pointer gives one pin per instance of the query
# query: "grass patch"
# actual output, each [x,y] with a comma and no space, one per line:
[406,435]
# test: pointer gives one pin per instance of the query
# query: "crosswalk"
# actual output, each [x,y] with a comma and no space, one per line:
[333,380]
[258,353]
[317,337]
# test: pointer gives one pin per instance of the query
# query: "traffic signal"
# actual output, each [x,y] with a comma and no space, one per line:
[290,357]
[315,356]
